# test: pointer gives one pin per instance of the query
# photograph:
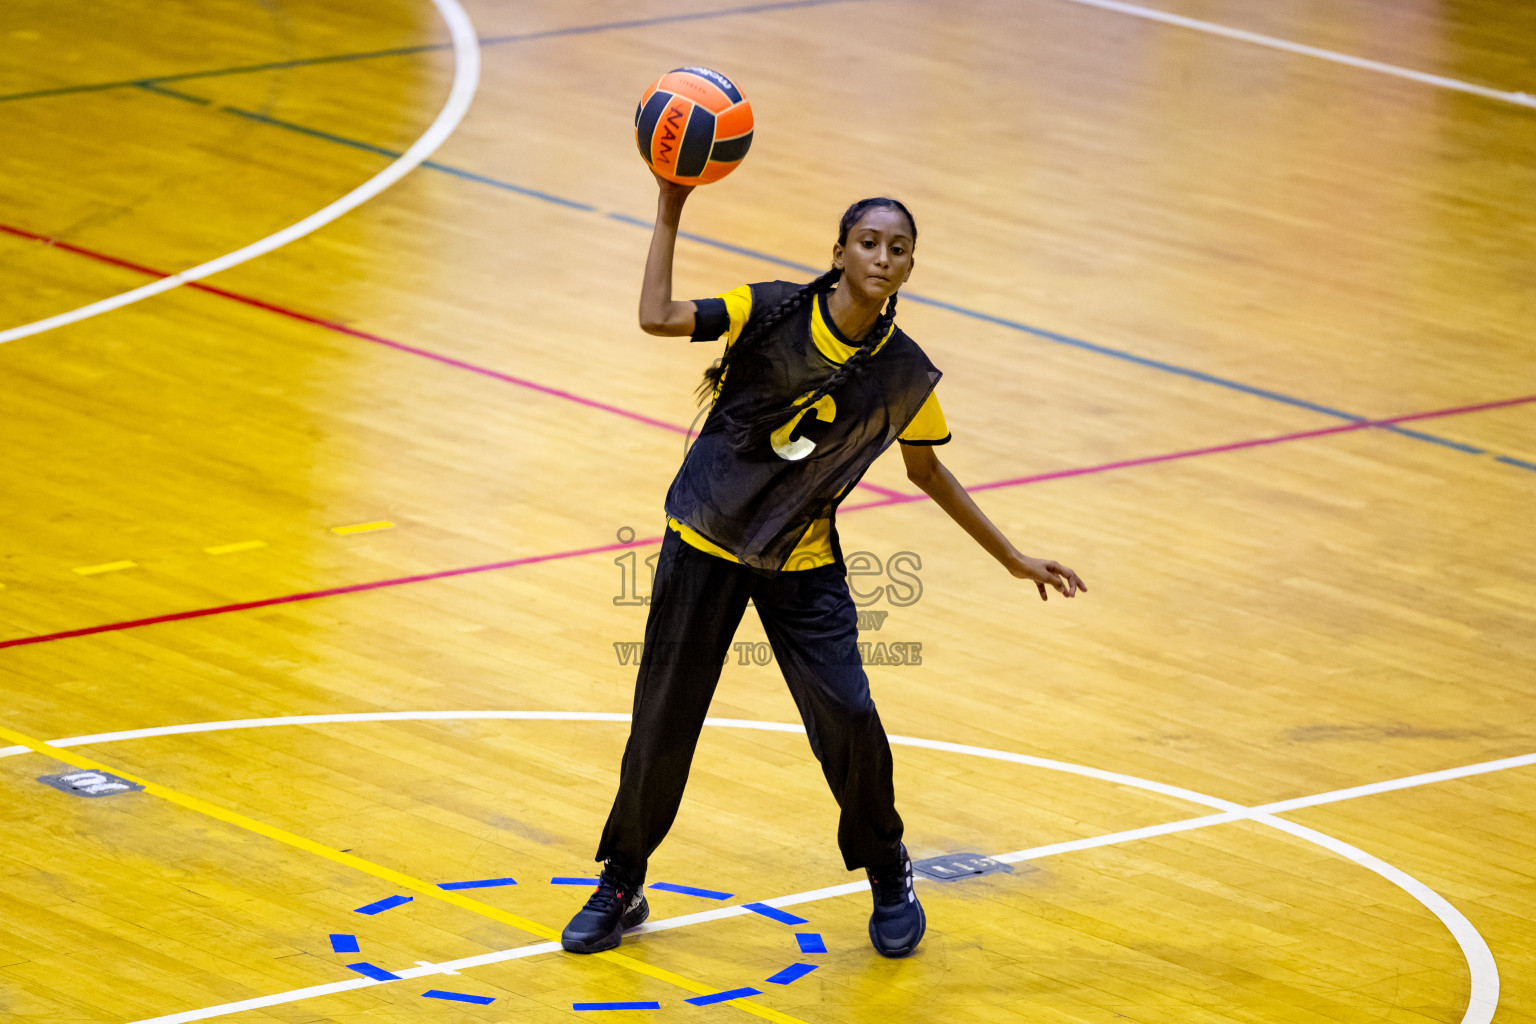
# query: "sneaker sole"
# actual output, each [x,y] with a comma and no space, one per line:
[606,942]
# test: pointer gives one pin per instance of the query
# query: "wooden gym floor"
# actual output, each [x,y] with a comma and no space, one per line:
[1235,313]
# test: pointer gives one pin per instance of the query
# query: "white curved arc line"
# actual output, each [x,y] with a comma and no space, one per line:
[353,716]
[1482,968]
[1484,997]
[1073,769]
[466,78]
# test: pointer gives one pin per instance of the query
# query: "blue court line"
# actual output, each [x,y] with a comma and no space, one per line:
[740,250]
[572,881]
[479,883]
[1435,439]
[688,890]
[376,973]
[721,997]
[616,1006]
[344,944]
[402,51]
[794,972]
[1068,340]
[810,942]
[1131,357]
[1016,325]
[1511,461]
[773,913]
[383,905]
[458,997]
[458,172]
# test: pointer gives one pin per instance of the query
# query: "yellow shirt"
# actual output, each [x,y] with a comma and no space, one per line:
[927,427]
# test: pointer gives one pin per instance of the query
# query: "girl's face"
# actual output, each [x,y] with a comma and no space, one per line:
[877,259]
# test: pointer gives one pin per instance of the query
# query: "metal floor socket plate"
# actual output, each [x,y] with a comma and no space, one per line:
[89,783]
[950,866]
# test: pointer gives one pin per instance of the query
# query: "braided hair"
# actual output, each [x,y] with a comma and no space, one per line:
[753,432]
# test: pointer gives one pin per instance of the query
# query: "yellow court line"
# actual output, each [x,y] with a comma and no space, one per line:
[229,549]
[92,570]
[342,531]
[400,879]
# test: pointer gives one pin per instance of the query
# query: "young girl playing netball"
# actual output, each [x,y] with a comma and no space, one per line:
[816,381]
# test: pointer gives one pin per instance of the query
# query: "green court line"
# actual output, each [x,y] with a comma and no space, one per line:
[368,147]
[316,133]
[161,90]
[403,51]
[66,90]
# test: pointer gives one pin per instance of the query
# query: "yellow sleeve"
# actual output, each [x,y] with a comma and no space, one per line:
[738,305]
[928,426]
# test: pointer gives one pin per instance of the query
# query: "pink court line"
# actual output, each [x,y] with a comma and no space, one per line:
[886,491]
[1190,453]
[1103,467]
[1342,428]
[377,339]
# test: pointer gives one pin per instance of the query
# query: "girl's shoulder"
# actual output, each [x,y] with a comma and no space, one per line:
[767,294]
[901,345]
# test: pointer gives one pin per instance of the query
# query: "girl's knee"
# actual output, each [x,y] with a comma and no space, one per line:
[853,704]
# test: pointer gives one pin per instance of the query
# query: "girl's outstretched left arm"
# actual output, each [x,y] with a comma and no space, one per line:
[926,471]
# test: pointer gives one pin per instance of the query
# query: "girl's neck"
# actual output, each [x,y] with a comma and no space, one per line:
[852,317]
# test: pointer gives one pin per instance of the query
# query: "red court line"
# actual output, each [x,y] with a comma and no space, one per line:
[310,595]
[340,328]
[1102,467]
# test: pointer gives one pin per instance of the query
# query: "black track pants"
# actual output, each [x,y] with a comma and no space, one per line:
[696,604]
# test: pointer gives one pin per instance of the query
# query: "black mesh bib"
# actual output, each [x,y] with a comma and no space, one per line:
[758,504]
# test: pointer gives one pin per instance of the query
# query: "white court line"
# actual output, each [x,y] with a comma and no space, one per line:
[1483,971]
[313,991]
[1152,14]
[1371,789]
[466,78]
[364,716]
[377,716]
[1483,1000]
[1403,880]
[682,921]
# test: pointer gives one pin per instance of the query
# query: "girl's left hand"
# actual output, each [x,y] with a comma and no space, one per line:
[1046,572]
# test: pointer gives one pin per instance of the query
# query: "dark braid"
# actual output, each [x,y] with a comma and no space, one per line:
[716,373]
[754,432]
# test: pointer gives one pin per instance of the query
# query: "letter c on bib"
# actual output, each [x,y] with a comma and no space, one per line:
[789,442]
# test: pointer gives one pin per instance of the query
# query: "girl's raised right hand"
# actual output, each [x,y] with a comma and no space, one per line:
[671,190]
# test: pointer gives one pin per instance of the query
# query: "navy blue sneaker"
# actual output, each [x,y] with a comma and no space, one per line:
[617,905]
[898,923]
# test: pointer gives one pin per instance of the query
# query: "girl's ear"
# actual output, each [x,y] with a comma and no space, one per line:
[837,256]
